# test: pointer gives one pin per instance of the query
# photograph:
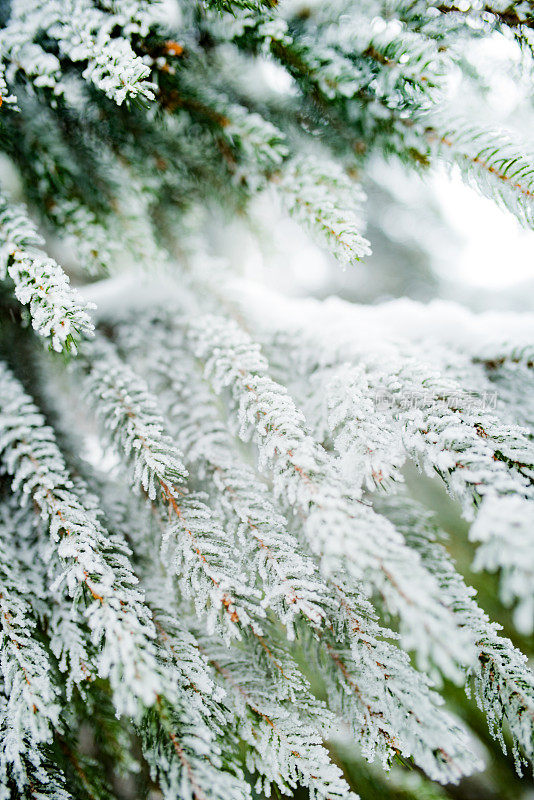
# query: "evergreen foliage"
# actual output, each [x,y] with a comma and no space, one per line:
[215,578]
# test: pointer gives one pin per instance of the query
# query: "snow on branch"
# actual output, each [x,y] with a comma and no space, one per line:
[486,463]
[5,97]
[285,737]
[325,200]
[91,567]
[338,626]
[56,310]
[503,682]
[39,770]
[402,60]
[218,600]
[31,711]
[490,161]
[192,539]
[307,480]
[268,550]
[343,413]
[82,32]
[131,418]
[268,705]
[185,762]
[181,741]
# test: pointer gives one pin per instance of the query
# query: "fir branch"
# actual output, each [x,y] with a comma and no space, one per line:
[232,5]
[289,582]
[306,480]
[67,635]
[35,778]
[252,519]
[132,420]
[250,145]
[286,748]
[491,162]
[345,639]
[192,538]
[179,730]
[485,463]
[344,414]
[362,81]
[31,710]
[503,683]
[56,311]
[323,198]
[511,15]
[115,614]
[288,692]
[82,33]
[177,753]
